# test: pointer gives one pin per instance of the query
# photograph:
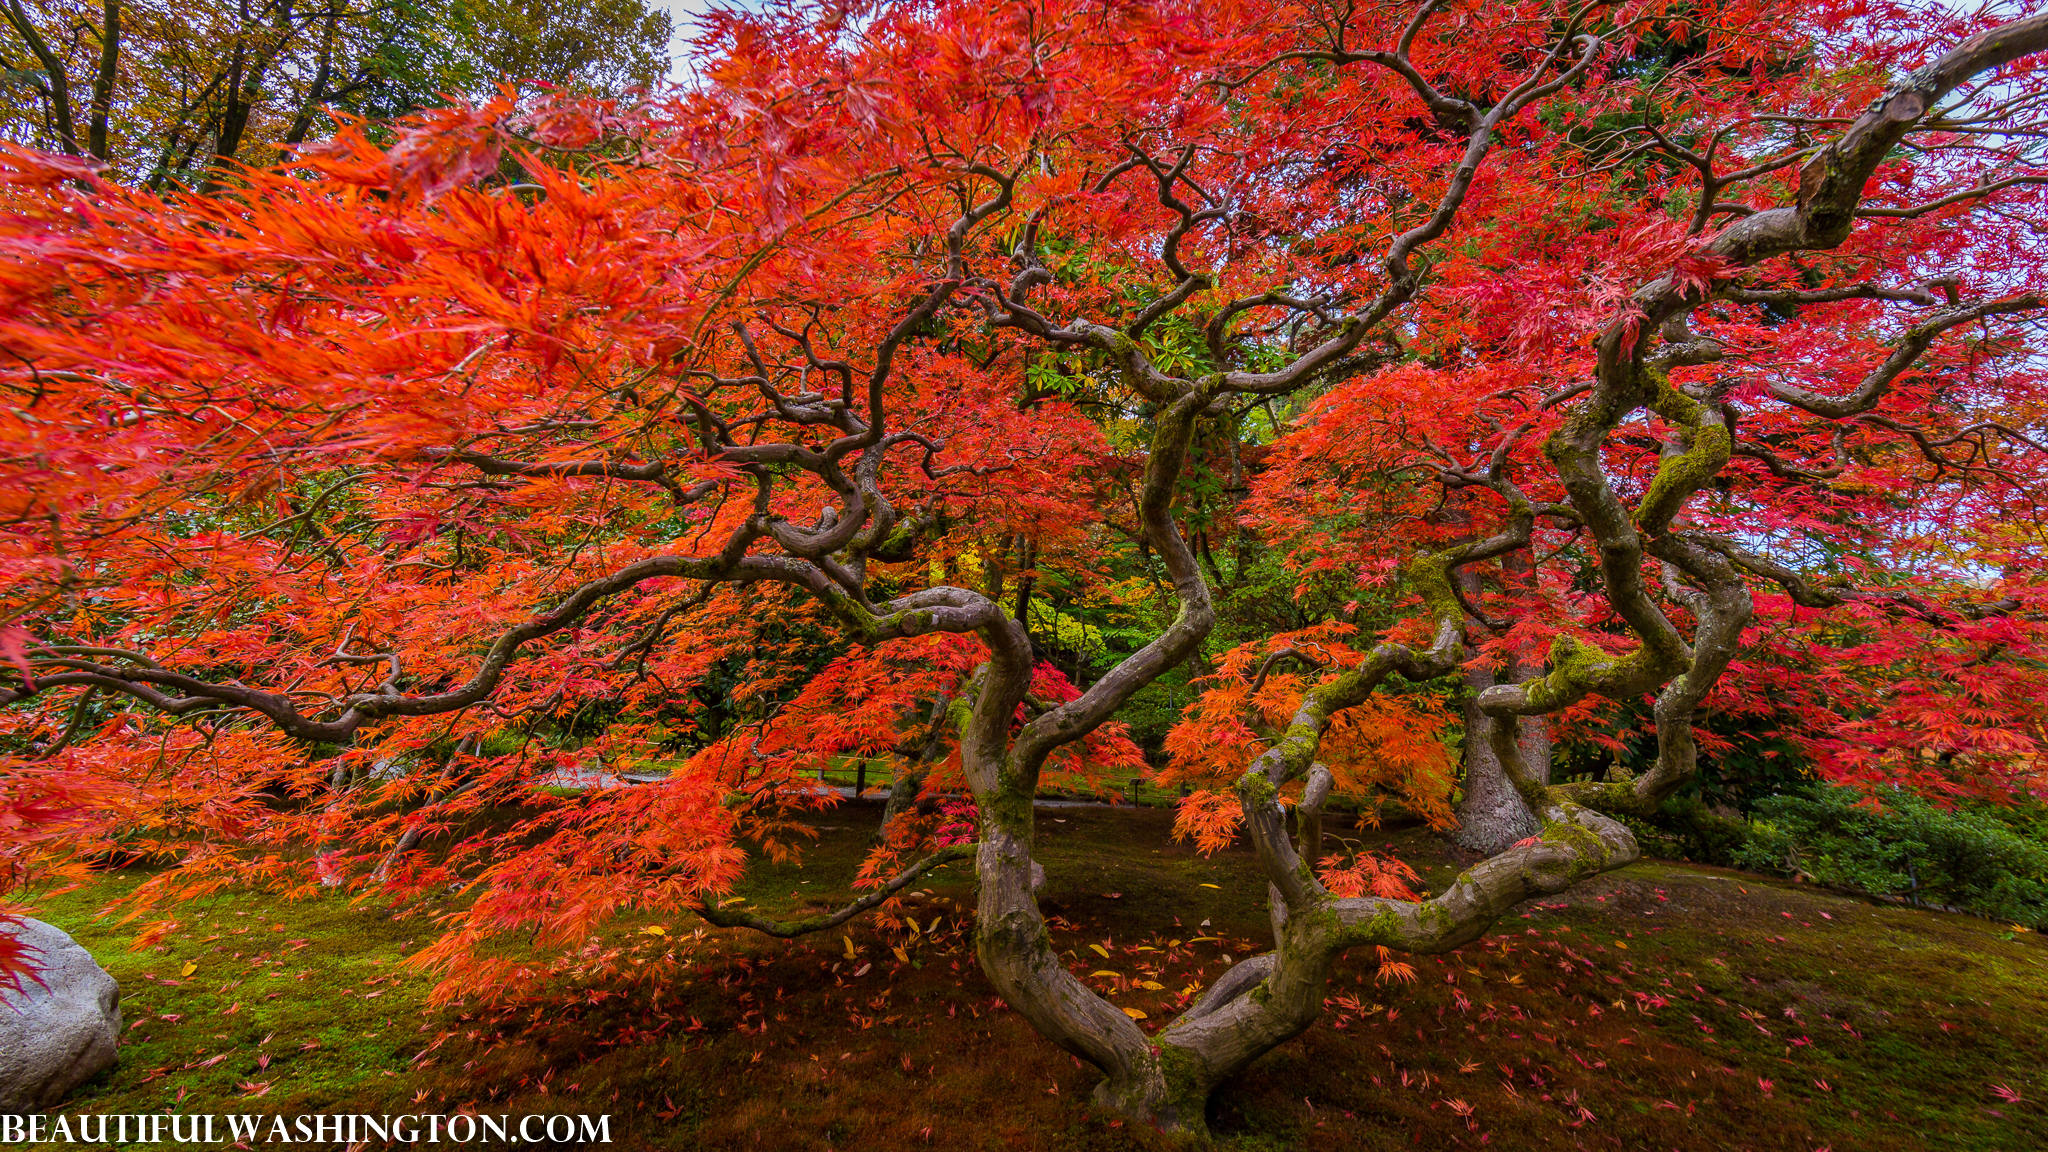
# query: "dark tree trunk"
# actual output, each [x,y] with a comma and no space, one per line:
[103,80]
[1027,581]
[59,89]
[316,94]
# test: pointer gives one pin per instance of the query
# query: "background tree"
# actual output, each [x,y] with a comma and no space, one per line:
[170,92]
[362,501]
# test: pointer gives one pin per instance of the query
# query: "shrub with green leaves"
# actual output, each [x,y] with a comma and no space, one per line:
[1686,828]
[1970,856]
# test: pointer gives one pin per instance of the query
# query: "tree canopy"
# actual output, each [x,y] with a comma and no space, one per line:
[928,383]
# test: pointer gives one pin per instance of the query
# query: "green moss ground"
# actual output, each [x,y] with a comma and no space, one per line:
[1641,1011]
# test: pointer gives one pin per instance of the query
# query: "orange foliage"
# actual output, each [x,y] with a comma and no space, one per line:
[1387,747]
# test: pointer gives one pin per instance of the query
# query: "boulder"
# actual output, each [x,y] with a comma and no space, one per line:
[57,1034]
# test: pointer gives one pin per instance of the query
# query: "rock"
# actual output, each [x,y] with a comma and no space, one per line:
[55,1035]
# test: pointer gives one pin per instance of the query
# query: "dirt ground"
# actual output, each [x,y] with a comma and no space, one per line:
[1664,1006]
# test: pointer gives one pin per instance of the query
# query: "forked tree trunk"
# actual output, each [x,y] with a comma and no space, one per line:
[1164,1079]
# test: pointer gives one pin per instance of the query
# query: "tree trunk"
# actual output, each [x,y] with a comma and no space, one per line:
[59,85]
[316,93]
[103,80]
[1493,815]
[1027,581]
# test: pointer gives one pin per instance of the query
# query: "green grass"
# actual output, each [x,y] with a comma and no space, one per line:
[1639,1011]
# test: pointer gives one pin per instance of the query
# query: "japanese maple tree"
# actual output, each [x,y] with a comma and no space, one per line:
[1636,352]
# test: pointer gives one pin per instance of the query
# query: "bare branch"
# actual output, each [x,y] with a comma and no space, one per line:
[788,929]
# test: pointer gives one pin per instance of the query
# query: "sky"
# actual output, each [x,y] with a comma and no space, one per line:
[684,13]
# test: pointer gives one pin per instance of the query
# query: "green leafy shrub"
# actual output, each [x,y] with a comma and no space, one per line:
[1970,857]
[1685,827]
